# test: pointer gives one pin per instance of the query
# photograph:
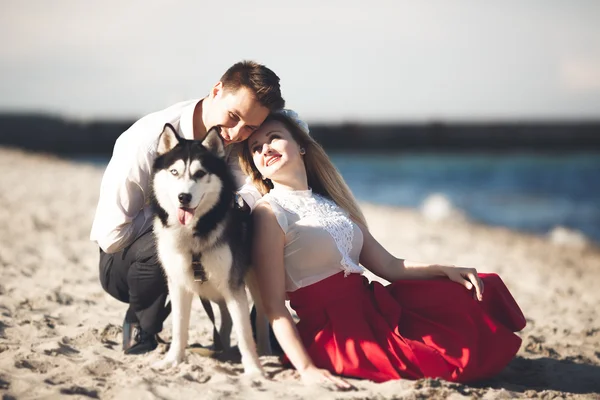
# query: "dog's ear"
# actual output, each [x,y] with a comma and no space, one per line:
[167,140]
[214,142]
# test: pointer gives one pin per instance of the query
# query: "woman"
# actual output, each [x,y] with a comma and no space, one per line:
[309,239]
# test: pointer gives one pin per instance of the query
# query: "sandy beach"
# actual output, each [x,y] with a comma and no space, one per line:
[60,332]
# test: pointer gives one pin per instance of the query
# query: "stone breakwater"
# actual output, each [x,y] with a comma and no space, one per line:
[63,136]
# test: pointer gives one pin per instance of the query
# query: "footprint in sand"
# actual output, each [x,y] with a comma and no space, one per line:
[103,367]
[3,327]
[57,296]
[111,335]
[4,383]
[38,366]
[78,390]
[57,349]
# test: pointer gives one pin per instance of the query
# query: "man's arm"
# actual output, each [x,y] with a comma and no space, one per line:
[120,216]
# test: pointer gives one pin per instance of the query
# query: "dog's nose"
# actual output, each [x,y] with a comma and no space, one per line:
[184,198]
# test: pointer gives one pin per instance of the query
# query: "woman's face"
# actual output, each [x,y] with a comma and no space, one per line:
[274,150]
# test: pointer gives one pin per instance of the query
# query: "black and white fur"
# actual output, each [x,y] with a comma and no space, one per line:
[191,178]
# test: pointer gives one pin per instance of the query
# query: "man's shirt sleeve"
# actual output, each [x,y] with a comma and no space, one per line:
[120,215]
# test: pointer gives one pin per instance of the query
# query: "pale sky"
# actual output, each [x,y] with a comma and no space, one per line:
[337,60]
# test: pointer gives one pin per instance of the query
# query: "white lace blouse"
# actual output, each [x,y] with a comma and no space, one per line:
[320,239]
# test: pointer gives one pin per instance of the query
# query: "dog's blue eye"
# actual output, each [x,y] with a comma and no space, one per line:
[174,172]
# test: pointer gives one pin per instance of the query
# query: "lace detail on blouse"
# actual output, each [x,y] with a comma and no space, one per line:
[326,214]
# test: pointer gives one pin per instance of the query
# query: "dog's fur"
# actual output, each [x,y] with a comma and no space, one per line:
[193,201]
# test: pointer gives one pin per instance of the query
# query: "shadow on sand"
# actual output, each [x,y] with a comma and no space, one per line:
[521,375]
[548,374]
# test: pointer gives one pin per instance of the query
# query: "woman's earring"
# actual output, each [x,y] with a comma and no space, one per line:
[302,151]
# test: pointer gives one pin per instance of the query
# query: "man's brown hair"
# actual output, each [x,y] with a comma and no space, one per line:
[259,79]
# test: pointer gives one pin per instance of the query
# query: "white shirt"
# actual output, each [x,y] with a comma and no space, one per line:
[123,211]
[320,239]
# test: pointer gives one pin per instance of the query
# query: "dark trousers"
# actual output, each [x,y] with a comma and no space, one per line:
[134,276]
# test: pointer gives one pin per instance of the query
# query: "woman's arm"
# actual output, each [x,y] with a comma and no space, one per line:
[267,258]
[378,260]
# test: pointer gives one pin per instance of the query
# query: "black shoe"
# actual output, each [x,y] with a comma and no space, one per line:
[136,340]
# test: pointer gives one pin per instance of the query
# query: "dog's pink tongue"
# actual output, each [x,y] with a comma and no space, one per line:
[184,215]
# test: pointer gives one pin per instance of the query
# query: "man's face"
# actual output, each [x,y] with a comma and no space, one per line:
[238,113]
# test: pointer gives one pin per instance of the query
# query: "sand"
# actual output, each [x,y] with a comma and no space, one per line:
[60,333]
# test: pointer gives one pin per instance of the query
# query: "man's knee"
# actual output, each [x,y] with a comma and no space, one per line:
[146,282]
[112,276]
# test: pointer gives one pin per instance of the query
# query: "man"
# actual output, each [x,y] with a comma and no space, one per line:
[129,266]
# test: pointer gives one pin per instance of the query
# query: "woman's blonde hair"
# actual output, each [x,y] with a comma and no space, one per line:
[323,176]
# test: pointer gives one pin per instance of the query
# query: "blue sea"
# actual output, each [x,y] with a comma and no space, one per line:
[528,192]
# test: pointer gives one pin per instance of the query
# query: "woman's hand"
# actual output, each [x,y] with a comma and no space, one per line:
[322,376]
[465,276]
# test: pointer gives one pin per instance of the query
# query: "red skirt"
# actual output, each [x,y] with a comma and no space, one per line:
[410,329]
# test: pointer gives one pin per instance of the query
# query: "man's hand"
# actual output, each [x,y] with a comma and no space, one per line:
[240,204]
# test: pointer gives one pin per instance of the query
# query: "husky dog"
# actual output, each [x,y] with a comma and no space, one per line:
[202,239]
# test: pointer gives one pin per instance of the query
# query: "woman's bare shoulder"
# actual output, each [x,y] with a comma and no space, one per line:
[263,211]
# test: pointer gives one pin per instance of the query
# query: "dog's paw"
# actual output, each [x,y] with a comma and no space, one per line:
[167,362]
[254,373]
